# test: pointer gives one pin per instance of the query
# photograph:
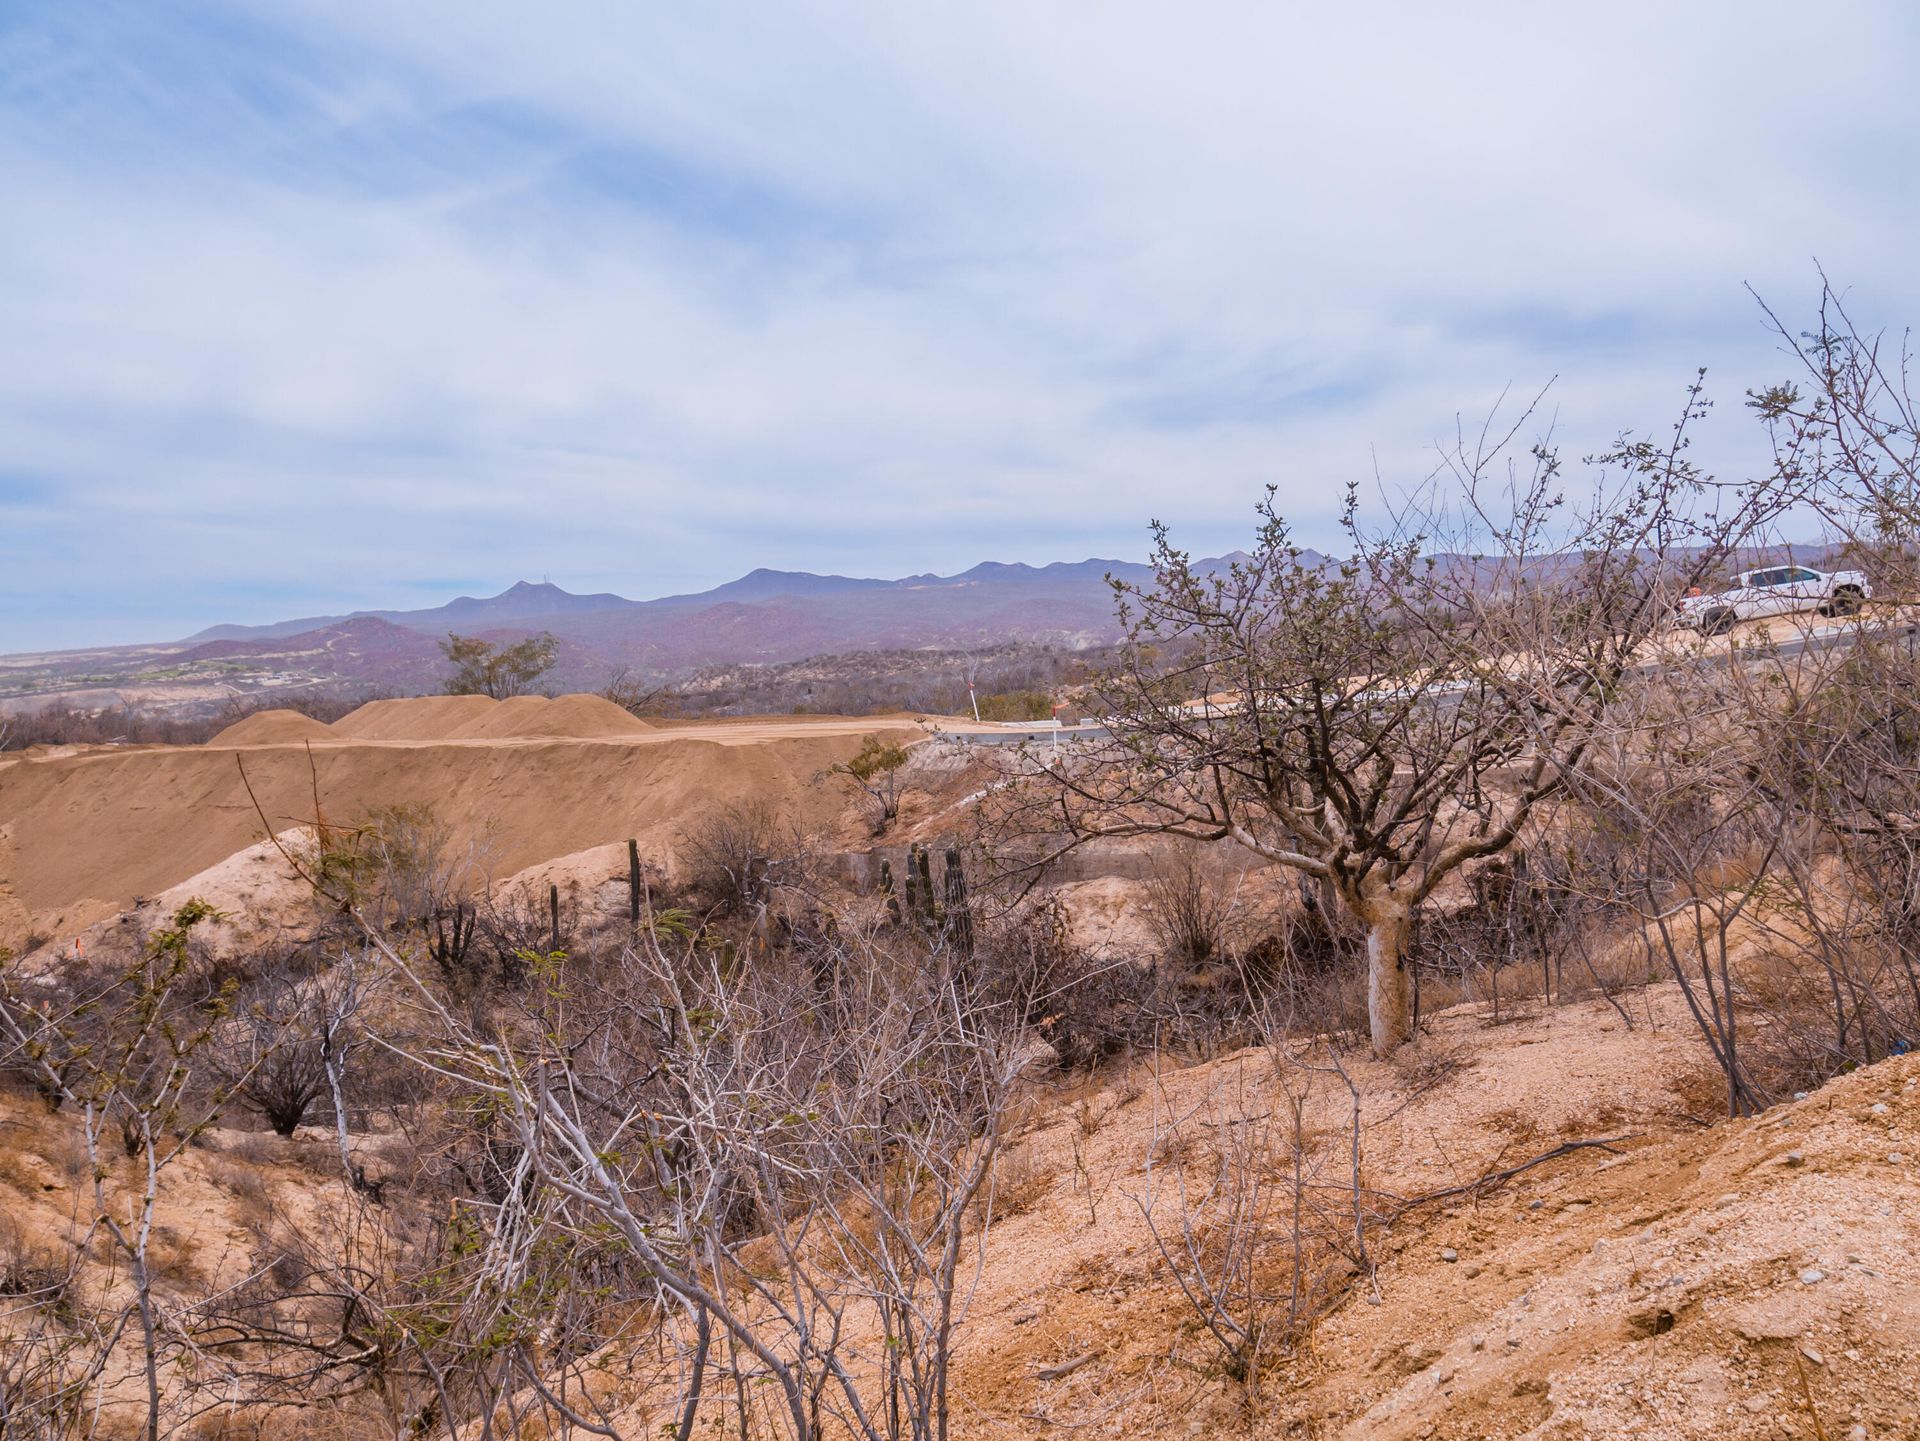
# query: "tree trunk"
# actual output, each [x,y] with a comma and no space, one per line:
[1389,983]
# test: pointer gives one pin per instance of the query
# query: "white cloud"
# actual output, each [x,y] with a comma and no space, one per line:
[643,296]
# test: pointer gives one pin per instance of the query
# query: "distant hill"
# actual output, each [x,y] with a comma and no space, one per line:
[546,606]
[521,601]
[764,617]
[366,651]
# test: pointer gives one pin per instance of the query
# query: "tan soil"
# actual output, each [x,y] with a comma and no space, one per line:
[1536,1328]
[576,716]
[274,727]
[94,828]
[16,921]
[417,718]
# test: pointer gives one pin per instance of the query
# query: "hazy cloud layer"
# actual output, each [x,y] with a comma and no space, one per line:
[314,306]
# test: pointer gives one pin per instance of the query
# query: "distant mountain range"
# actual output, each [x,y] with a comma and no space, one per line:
[764,617]
[545,606]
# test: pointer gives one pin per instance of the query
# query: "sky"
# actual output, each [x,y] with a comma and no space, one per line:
[310,307]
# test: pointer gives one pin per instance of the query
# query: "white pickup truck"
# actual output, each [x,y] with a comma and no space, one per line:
[1775,590]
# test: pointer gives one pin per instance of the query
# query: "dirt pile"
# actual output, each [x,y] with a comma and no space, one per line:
[576,717]
[477,717]
[105,826]
[274,728]
[415,718]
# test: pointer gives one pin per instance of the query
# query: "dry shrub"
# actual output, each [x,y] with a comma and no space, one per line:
[739,856]
[1192,904]
[174,1258]
[514,928]
[1612,962]
[253,1148]
[1515,1121]
[401,865]
[1307,974]
[1701,1090]
[1787,1010]
[1251,1213]
[16,1173]
[1022,1175]
[36,1274]
[253,1197]
[1433,1066]
[1595,1120]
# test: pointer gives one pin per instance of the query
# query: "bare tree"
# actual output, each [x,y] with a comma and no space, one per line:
[1380,722]
[270,1052]
[126,1059]
[1846,430]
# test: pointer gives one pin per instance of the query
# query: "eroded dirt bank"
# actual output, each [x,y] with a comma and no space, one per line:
[87,831]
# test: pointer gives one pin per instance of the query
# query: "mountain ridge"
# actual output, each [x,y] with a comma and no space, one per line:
[766,617]
[528,601]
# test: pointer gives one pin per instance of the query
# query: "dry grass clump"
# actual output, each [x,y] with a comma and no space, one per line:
[1022,1176]
[36,1274]
[250,1189]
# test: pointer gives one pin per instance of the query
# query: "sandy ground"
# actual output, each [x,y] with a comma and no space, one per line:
[91,831]
[1744,1279]
[1535,1310]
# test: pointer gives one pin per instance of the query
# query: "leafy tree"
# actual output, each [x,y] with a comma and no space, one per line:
[876,771]
[500,671]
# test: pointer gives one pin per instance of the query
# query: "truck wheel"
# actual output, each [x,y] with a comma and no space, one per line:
[1846,601]
[1719,622]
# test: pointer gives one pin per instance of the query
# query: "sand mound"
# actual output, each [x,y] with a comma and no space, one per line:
[273,728]
[416,718]
[116,824]
[16,921]
[476,717]
[570,717]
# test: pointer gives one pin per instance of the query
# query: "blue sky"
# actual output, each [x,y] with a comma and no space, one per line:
[320,306]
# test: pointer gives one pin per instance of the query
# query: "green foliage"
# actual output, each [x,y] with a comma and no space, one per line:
[395,858]
[876,758]
[1016,705]
[500,671]
[170,941]
[876,771]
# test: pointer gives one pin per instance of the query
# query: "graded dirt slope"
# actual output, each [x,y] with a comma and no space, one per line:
[273,728]
[95,828]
